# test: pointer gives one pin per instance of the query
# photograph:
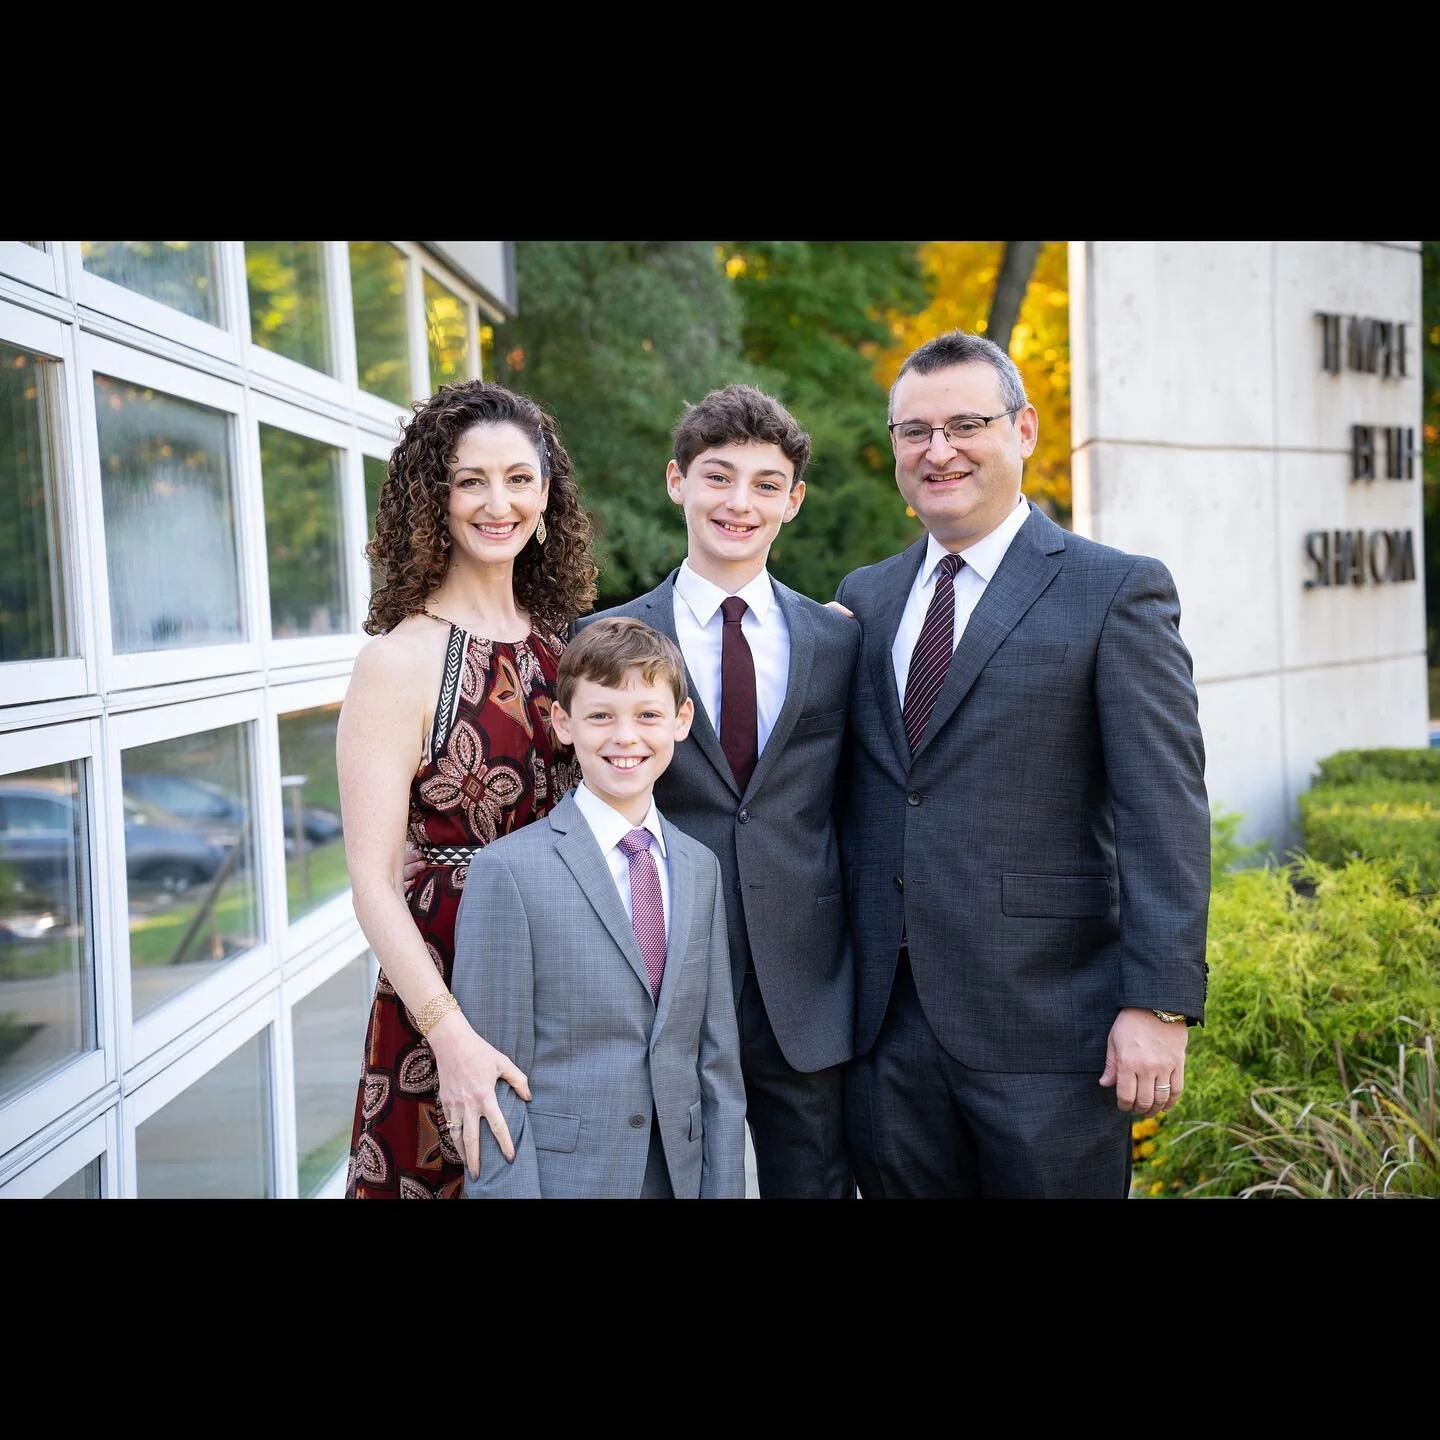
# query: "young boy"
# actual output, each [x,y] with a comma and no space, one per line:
[764,802]
[623,1023]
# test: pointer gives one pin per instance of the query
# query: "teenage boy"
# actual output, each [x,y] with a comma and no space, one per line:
[623,1023]
[737,474]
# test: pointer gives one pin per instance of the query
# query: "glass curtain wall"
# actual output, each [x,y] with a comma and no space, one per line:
[192,447]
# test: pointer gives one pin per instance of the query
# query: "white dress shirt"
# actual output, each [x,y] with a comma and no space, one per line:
[610,827]
[982,560]
[699,627]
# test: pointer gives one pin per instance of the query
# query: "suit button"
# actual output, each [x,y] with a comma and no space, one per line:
[898,883]
[637,1122]
[913,798]
[743,817]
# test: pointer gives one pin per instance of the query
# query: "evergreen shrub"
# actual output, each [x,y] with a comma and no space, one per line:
[1309,962]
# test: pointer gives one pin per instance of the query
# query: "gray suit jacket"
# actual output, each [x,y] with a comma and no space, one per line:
[777,843]
[548,970]
[1046,851]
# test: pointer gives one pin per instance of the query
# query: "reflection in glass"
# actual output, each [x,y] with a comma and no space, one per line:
[179,273]
[212,1141]
[84,1184]
[168,495]
[377,290]
[315,869]
[47,985]
[189,861]
[285,280]
[32,601]
[303,533]
[447,331]
[375,472]
[328,1031]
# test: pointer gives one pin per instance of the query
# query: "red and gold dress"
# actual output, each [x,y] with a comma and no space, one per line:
[493,764]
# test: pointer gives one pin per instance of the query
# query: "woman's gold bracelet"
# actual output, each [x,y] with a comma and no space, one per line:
[432,1012]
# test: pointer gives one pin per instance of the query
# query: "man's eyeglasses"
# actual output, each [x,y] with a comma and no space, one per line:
[915,433]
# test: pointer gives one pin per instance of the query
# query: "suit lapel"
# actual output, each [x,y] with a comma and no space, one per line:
[682,909]
[894,591]
[801,624]
[657,610]
[576,845]
[1030,564]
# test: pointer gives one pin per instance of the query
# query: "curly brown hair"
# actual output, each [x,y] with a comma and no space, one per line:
[554,582]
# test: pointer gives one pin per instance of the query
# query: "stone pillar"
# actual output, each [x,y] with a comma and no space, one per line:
[1250,412]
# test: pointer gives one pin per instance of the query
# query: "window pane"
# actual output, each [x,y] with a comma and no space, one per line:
[377,289]
[212,1141]
[303,532]
[315,869]
[189,860]
[169,505]
[32,605]
[328,1027]
[288,313]
[47,990]
[447,328]
[179,273]
[84,1184]
[375,472]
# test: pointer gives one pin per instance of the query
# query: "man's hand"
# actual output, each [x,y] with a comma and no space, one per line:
[1145,1062]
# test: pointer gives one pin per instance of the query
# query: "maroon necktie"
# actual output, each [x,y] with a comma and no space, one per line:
[647,913]
[930,658]
[738,724]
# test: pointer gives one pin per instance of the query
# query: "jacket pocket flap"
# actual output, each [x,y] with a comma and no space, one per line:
[1028,655]
[1065,897]
[554,1132]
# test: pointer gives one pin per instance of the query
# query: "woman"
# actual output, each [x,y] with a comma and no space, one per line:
[444,739]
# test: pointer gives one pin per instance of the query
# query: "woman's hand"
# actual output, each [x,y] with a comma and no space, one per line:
[469,1069]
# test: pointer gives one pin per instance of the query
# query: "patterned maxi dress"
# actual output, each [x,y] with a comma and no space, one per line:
[493,765]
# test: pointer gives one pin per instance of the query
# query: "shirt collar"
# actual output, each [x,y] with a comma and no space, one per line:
[704,596]
[608,824]
[984,556]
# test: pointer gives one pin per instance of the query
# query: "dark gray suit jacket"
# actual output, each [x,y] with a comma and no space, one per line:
[778,845]
[1046,851]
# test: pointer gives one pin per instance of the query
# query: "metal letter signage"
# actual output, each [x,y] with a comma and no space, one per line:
[1361,557]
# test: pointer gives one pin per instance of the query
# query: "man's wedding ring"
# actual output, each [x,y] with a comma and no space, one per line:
[1162,1087]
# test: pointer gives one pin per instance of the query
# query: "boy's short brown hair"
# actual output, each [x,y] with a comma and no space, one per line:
[606,651]
[737,415]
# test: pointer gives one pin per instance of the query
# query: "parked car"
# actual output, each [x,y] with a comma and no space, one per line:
[211,805]
[40,840]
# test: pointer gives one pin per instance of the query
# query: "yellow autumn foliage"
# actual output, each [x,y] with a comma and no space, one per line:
[962,275]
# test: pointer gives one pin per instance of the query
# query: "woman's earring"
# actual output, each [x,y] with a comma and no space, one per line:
[540,529]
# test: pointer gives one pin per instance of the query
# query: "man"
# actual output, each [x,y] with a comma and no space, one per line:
[737,473]
[1027,837]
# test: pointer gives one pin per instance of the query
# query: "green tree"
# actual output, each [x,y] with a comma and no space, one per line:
[815,320]
[614,337]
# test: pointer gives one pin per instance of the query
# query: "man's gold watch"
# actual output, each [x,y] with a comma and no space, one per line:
[1170,1017]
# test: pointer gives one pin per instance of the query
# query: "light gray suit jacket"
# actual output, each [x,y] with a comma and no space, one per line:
[777,843]
[1046,850]
[548,970]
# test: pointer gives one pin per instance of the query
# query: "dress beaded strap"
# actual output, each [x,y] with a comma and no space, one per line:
[447,705]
